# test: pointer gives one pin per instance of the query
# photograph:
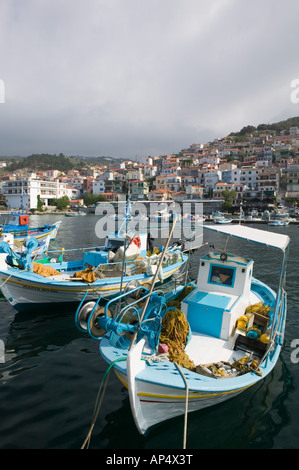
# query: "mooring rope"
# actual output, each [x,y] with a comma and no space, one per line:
[186,405]
[7,279]
[97,407]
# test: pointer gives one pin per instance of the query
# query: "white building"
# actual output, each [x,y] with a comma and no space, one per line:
[135,174]
[209,178]
[98,186]
[293,181]
[23,193]
[150,171]
[294,131]
[249,177]
[210,159]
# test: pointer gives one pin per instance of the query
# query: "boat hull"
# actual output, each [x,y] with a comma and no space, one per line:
[160,403]
[28,291]
[160,392]
[230,325]
[40,235]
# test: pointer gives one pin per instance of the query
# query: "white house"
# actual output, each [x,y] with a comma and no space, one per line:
[150,171]
[209,178]
[135,174]
[98,186]
[249,177]
[23,193]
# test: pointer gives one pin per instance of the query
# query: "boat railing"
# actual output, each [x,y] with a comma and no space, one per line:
[151,260]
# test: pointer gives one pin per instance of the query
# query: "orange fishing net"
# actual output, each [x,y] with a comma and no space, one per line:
[44,270]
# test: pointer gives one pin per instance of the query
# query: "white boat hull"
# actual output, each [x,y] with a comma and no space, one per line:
[160,403]
[31,292]
[153,400]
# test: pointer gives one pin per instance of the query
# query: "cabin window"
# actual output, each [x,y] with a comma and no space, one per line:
[222,275]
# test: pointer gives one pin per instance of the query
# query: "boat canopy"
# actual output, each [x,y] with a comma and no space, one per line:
[274,240]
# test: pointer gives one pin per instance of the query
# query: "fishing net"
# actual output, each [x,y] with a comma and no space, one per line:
[174,332]
[87,275]
[258,308]
[45,271]
[177,302]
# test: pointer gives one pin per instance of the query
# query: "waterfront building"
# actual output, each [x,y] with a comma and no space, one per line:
[292,181]
[23,193]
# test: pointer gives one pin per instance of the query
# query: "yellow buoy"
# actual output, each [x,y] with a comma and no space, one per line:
[264,338]
[242,322]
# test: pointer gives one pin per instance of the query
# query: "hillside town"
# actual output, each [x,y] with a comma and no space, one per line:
[257,171]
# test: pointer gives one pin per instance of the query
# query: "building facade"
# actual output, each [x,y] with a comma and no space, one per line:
[23,193]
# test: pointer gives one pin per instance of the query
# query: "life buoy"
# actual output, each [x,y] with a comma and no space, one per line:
[137,241]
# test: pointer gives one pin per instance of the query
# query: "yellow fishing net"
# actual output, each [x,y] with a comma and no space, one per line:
[245,364]
[174,331]
[43,270]
[259,308]
[177,302]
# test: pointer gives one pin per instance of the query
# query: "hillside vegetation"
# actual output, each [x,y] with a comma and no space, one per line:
[45,161]
[276,127]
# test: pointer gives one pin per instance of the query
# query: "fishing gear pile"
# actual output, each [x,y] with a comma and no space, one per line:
[174,333]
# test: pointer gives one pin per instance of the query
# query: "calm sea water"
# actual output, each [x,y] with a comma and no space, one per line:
[52,373]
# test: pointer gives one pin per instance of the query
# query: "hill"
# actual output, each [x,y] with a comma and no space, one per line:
[274,127]
[44,162]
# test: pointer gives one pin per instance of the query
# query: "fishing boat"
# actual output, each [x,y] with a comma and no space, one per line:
[278,223]
[75,214]
[192,218]
[22,256]
[222,220]
[18,226]
[100,271]
[40,249]
[219,218]
[198,344]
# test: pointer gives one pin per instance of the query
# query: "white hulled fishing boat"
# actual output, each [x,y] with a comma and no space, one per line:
[196,345]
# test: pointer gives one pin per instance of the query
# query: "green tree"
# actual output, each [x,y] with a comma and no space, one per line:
[62,203]
[90,198]
[40,204]
[229,196]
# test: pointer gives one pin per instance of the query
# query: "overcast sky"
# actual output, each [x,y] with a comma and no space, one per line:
[132,78]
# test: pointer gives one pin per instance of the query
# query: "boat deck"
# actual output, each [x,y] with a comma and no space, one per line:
[204,349]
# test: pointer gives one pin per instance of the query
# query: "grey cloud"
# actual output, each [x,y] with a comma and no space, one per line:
[127,78]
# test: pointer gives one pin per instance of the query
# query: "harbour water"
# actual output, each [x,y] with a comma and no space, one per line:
[52,372]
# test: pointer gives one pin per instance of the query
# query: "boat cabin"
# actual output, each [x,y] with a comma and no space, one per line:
[222,292]
[17,220]
[112,243]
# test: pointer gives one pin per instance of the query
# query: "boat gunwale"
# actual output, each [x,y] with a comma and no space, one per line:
[47,282]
